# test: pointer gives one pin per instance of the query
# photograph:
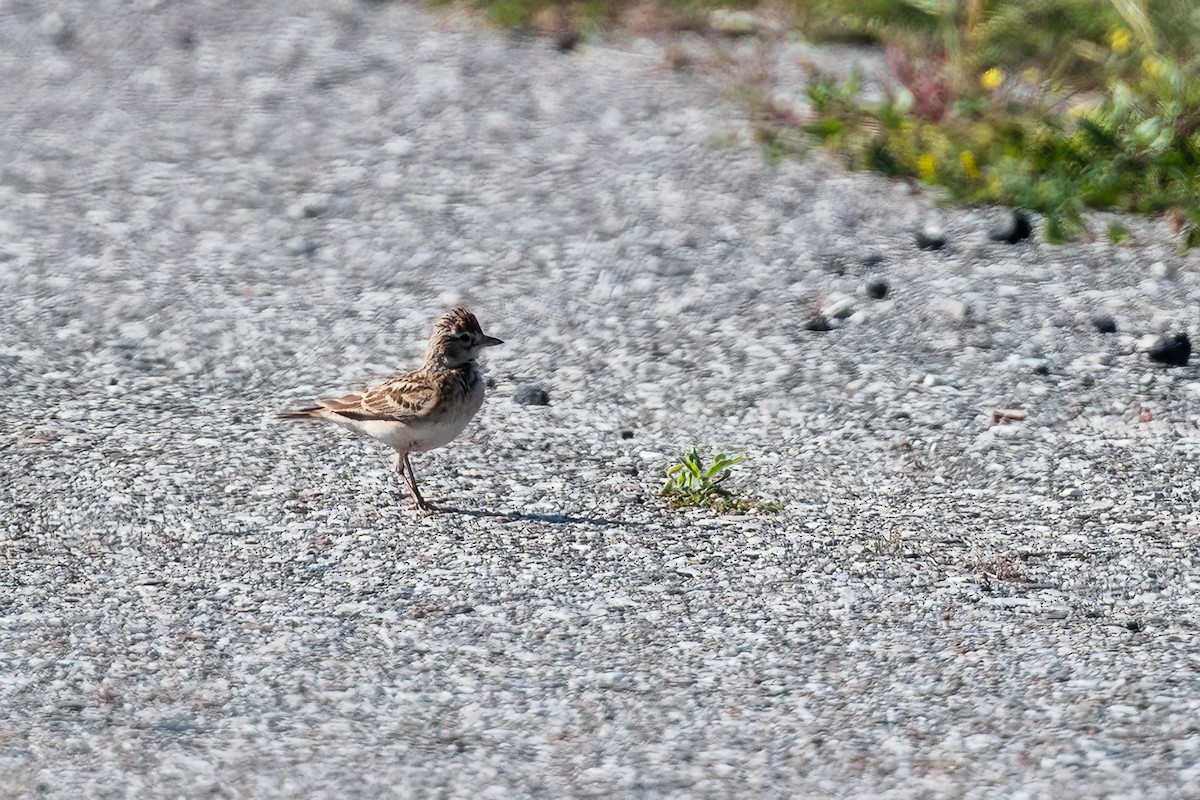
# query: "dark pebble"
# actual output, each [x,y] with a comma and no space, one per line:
[1015,229]
[626,434]
[818,323]
[567,41]
[529,395]
[877,288]
[1104,323]
[1172,349]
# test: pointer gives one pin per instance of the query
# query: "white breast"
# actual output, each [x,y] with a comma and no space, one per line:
[423,434]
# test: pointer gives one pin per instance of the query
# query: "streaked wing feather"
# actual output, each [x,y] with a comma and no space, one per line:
[348,402]
[401,398]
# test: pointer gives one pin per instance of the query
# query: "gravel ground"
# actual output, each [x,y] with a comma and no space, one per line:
[210,212]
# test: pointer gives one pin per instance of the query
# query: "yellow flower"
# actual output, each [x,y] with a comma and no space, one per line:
[926,166]
[992,78]
[1152,66]
[1120,40]
[969,164]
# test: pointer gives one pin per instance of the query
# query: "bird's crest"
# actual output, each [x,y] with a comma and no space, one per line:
[459,320]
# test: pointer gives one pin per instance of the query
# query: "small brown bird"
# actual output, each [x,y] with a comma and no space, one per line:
[423,409]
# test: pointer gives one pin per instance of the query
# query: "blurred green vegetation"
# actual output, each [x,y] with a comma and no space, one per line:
[1054,105]
[1058,106]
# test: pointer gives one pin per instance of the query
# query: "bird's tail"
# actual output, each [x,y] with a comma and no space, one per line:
[301,413]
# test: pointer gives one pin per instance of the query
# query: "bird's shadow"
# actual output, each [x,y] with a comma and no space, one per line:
[521,516]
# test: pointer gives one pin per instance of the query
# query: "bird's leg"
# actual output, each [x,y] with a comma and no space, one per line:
[404,467]
[399,465]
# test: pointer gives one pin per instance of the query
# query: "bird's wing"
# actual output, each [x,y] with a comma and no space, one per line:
[341,403]
[402,398]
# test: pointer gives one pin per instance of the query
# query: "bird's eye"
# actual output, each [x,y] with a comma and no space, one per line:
[464,337]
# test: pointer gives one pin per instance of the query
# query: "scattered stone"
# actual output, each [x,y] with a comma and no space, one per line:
[626,434]
[1001,416]
[1015,229]
[1172,349]
[877,288]
[818,322]
[953,309]
[931,238]
[531,395]
[567,41]
[312,204]
[55,28]
[1159,269]
[1104,323]
[1144,343]
[830,313]
[837,306]
[399,146]
[300,246]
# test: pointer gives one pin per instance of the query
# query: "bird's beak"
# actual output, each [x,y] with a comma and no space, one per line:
[491,341]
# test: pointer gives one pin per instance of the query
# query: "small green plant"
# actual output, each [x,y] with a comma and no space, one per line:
[692,483]
[1117,233]
[1055,106]
[1097,110]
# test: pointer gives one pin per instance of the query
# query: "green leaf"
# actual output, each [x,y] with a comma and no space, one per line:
[826,128]
[691,483]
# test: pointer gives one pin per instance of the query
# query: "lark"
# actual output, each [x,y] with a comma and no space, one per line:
[419,410]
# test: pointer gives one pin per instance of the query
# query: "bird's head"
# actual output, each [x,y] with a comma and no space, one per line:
[458,339]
